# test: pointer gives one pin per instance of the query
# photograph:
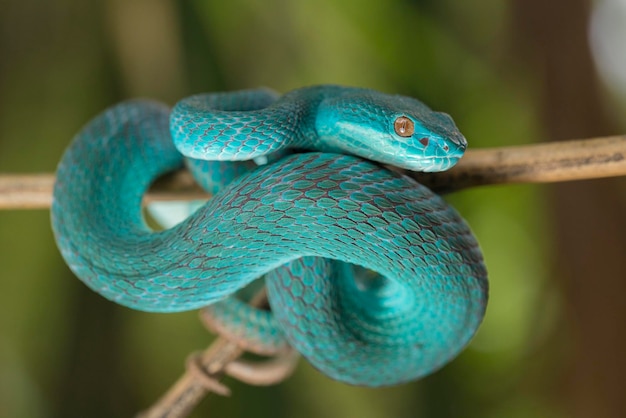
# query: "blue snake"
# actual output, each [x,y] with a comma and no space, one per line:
[371,276]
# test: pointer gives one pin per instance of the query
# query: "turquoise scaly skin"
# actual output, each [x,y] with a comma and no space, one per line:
[303,222]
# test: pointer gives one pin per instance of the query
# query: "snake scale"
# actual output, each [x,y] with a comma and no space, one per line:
[371,276]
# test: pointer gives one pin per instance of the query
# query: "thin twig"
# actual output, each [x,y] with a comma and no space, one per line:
[190,389]
[34,191]
[537,163]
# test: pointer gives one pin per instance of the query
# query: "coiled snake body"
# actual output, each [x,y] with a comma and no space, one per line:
[316,225]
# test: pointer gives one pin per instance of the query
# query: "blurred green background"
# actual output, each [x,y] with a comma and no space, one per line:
[510,72]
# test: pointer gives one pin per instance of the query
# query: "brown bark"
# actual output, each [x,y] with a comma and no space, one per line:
[587,217]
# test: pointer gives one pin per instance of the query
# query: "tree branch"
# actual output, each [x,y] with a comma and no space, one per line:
[207,367]
[34,191]
[537,163]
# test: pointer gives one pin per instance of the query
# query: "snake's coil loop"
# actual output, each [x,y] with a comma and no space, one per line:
[372,277]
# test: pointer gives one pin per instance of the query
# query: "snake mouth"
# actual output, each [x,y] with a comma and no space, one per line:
[428,165]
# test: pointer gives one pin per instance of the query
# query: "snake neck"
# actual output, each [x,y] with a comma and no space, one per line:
[302,111]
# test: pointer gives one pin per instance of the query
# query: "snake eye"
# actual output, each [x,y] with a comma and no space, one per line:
[404,126]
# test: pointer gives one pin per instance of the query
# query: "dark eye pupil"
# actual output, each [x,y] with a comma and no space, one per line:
[404,126]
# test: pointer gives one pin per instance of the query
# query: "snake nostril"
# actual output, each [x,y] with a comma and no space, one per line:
[424,141]
[445,147]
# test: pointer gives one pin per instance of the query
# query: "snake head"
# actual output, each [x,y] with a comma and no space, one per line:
[395,130]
